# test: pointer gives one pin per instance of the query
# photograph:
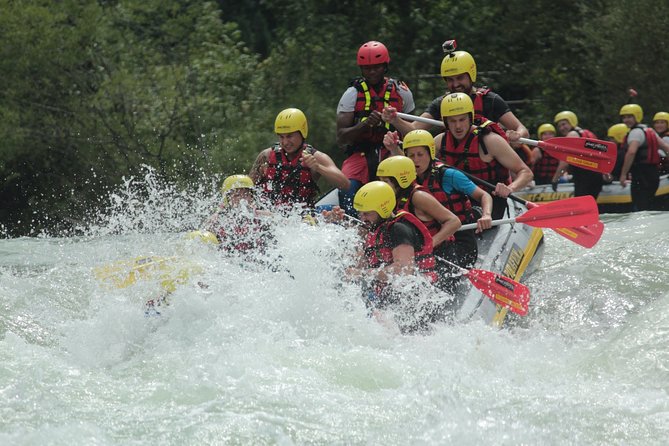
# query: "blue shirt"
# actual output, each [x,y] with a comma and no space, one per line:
[454,180]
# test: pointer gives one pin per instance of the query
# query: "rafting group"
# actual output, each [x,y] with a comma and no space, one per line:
[423,200]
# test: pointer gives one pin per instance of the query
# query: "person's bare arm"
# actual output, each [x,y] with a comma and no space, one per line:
[390,116]
[515,128]
[257,171]
[499,149]
[630,154]
[348,132]
[429,207]
[321,164]
[483,197]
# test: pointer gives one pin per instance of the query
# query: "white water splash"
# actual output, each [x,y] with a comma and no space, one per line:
[290,357]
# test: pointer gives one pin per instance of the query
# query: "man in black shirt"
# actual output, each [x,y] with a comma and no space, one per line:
[458,69]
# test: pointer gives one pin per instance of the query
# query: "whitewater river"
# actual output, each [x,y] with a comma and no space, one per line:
[289,357]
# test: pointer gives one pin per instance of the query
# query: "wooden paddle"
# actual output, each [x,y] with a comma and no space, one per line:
[500,289]
[591,154]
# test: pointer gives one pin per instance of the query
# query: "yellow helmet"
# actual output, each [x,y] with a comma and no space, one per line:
[632,109]
[543,128]
[458,62]
[570,116]
[457,104]
[419,138]
[375,196]
[399,167]
[291,120]
[661,116]
[618,132]
[236,182]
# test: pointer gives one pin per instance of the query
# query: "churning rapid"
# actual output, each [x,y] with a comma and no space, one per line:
[246,354]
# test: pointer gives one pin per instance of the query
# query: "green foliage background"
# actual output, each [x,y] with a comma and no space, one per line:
[93,90]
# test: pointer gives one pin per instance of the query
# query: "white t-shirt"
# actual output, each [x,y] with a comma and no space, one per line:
[636,134]
[347,101]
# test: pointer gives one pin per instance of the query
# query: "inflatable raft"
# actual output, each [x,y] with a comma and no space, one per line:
[514,250]
[612,199]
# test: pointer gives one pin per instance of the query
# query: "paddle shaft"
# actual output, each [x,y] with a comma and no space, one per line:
[502,221]
[602,159]
[491,186]
[420,119]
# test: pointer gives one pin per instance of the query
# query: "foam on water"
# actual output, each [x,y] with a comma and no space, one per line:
[289,357]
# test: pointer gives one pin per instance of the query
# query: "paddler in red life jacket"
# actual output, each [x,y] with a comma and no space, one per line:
[400,174]
[617,133]
[642,158]
[586,182]
[544,164]
[360,129]
[395,244]
[458,68]
[453,190]
[479,148]
[238,223]
[661,126]
[287,173]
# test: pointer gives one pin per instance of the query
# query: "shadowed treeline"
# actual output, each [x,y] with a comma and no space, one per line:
[91,91]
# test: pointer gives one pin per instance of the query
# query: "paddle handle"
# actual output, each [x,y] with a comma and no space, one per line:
[529,142]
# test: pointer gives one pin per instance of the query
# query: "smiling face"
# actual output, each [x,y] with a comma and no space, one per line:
[460,83]
[660,126]
[629,120]
[420,156]
[564,127]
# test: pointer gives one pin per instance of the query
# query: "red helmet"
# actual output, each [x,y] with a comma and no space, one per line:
[372,53]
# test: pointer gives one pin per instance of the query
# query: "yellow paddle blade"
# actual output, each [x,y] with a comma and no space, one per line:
[169,271]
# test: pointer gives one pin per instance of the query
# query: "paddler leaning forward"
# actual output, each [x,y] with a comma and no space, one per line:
[396,244]
[479,147]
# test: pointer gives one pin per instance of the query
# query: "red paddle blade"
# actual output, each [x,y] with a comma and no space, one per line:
[586,236]
[591,154]
[576,211]
[502,290]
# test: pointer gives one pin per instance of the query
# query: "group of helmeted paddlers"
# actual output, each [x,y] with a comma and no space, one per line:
[414,182]
[472,150]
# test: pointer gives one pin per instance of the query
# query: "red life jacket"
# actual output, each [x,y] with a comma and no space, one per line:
[369,100]
[585,133]
[456,202]
[465,154]
[647,152]
[287,181]
[477,99]
[405,204]
[545,168]
[243,234]
[379,253]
